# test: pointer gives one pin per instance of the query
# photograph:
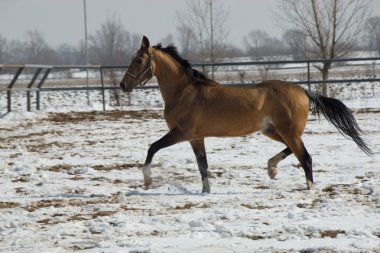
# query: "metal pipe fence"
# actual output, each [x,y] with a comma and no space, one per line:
[40,74]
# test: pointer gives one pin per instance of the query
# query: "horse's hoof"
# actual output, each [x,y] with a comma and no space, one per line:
[205,191]
[148,182]
[272,172]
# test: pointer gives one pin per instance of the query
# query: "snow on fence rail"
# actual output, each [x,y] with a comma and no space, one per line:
[45,78]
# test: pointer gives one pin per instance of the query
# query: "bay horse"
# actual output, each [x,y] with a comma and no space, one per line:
[197,107]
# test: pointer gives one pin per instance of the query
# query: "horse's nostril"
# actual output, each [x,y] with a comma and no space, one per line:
[122,85]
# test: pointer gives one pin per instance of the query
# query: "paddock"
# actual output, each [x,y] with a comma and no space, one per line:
[72,181]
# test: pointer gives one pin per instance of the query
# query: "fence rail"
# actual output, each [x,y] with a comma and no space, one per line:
[41,73]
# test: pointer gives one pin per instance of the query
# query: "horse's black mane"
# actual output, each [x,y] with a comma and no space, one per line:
[171,50]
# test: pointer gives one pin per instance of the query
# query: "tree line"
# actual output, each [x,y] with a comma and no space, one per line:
[111,44]
[312,29]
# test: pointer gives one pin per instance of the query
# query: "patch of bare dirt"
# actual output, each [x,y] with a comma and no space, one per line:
[60,203]
[21,190]
[59,168]
[31,135]
[4,205]
[43,147]
[255,237]
[108,115]
[311,205]
[49,221]
[103,213]
[333,190]
[187,206]
[89,216]
[256,207]
[117,166]
[22,179]
[176,209]
[331,233]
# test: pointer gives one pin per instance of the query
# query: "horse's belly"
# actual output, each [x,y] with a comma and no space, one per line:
[232,125]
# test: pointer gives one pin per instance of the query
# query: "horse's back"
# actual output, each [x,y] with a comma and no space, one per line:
[282,88]
[237,111]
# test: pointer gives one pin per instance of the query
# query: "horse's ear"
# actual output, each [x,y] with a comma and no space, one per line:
[145,42]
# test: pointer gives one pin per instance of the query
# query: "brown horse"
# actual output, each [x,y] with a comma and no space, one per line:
[197,107]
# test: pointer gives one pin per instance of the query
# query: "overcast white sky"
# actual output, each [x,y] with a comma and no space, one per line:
[61,21]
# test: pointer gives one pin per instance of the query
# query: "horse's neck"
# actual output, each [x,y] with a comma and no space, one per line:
[170,77]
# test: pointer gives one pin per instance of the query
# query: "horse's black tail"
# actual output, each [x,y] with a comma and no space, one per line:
[340,116]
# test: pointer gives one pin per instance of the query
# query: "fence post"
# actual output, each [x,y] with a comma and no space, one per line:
[39,86]
[30,86]
[10,86]
[102,82]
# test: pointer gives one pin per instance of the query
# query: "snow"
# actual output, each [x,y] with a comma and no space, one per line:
[71,180]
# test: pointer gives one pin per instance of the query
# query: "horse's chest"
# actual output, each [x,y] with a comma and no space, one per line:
[178,118]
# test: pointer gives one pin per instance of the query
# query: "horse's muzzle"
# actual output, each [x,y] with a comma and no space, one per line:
[124,87]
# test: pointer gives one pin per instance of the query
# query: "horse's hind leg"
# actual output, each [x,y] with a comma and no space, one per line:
[299,150]
[200,154]
[272,163]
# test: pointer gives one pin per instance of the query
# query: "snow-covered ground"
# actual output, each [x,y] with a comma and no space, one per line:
[72,181]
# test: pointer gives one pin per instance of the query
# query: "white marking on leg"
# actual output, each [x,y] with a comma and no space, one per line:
[147,175]
[272,172]
[206,186]
[272,164]
[309,184]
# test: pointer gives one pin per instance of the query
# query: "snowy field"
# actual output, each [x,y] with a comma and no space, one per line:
[72,181]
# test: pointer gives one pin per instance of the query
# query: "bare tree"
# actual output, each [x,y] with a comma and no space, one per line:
[255,42]
[112,44]
[187,40]
[3,49]
[67,54]
[296,41]
[168,39]
[259,44]
[207,20]
[332,27]
[36,50]
[234,51]
[373,33]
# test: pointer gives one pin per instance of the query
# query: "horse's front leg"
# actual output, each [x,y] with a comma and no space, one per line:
[200,154]
[174,136]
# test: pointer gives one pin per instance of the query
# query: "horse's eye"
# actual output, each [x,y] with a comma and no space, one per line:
[139,60]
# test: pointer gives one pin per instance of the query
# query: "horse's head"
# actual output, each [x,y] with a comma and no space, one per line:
[140,69]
